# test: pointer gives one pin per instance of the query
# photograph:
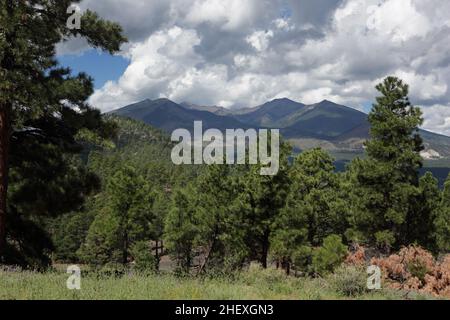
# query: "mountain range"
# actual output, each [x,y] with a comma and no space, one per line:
[336,128]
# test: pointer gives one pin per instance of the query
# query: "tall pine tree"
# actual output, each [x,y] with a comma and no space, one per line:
[40,101]
[387,182]
[221,224]
[127,218]
[262,200]
[181,228]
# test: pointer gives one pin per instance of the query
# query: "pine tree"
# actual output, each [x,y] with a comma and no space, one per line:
[69,233]
[329,256]
[421,223]
[262,200]
[387,182]
[442,221]
[221,224]
[127,214]
[313,210]
[180,230]
[38,99]
[131,202]
[160,209]
[103,244]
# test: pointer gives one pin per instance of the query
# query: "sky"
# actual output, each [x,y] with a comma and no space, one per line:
[242,53]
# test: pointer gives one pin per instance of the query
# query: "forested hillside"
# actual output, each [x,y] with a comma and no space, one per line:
[139,153]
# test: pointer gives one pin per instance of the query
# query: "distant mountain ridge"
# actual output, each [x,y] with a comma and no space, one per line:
[336,128]
[168,116]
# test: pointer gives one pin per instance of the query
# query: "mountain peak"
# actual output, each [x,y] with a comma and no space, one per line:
[283,100]
[163,100]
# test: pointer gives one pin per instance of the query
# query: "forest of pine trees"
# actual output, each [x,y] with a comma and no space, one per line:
[219,218]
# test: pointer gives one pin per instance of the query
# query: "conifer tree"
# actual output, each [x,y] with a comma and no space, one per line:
[313,210]
[442,221]
[387,182]
[40,102]
[126,219]
[221,225]
[180,229]
[262,201]
[421,227]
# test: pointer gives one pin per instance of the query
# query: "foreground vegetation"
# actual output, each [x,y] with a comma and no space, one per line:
[252,284]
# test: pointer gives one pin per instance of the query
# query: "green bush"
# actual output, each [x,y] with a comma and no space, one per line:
[329,256]
[302,257]
[144,260]
[350,281]
[256,274]
[418,269]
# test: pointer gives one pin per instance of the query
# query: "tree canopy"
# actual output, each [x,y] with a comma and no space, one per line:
[44,116]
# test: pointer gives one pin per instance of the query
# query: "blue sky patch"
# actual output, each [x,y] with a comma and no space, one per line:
[102,67]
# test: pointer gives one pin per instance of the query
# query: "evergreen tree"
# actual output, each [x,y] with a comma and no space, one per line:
[387,182]
[131,201]
[329,256]
[69,231]
[42,106]
[262,201]
[180,230]
[313,210]
[128,214]
[160,209]
[221,224]
[103,244]
[442,221]
[421,224]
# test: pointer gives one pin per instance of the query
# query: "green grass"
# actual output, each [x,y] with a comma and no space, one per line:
[255,284]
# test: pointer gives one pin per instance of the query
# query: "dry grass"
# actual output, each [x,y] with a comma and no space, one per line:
[253,284]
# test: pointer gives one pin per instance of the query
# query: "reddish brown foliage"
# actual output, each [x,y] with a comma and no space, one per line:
[414,268]
[411,269]
[357,256]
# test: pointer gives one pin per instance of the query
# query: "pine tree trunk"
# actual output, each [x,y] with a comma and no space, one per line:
[157,255]
[265,248]
[4,169]
[125,249]
[210,249]
[7,63]
[286,266]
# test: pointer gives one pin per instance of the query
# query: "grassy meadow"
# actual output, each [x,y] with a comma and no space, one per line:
[253,284]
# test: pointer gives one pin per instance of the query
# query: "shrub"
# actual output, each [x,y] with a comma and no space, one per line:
[414,268]
[256,274]
[144,260]
[329,256]
[349,280]
[302,258]
[357,257]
